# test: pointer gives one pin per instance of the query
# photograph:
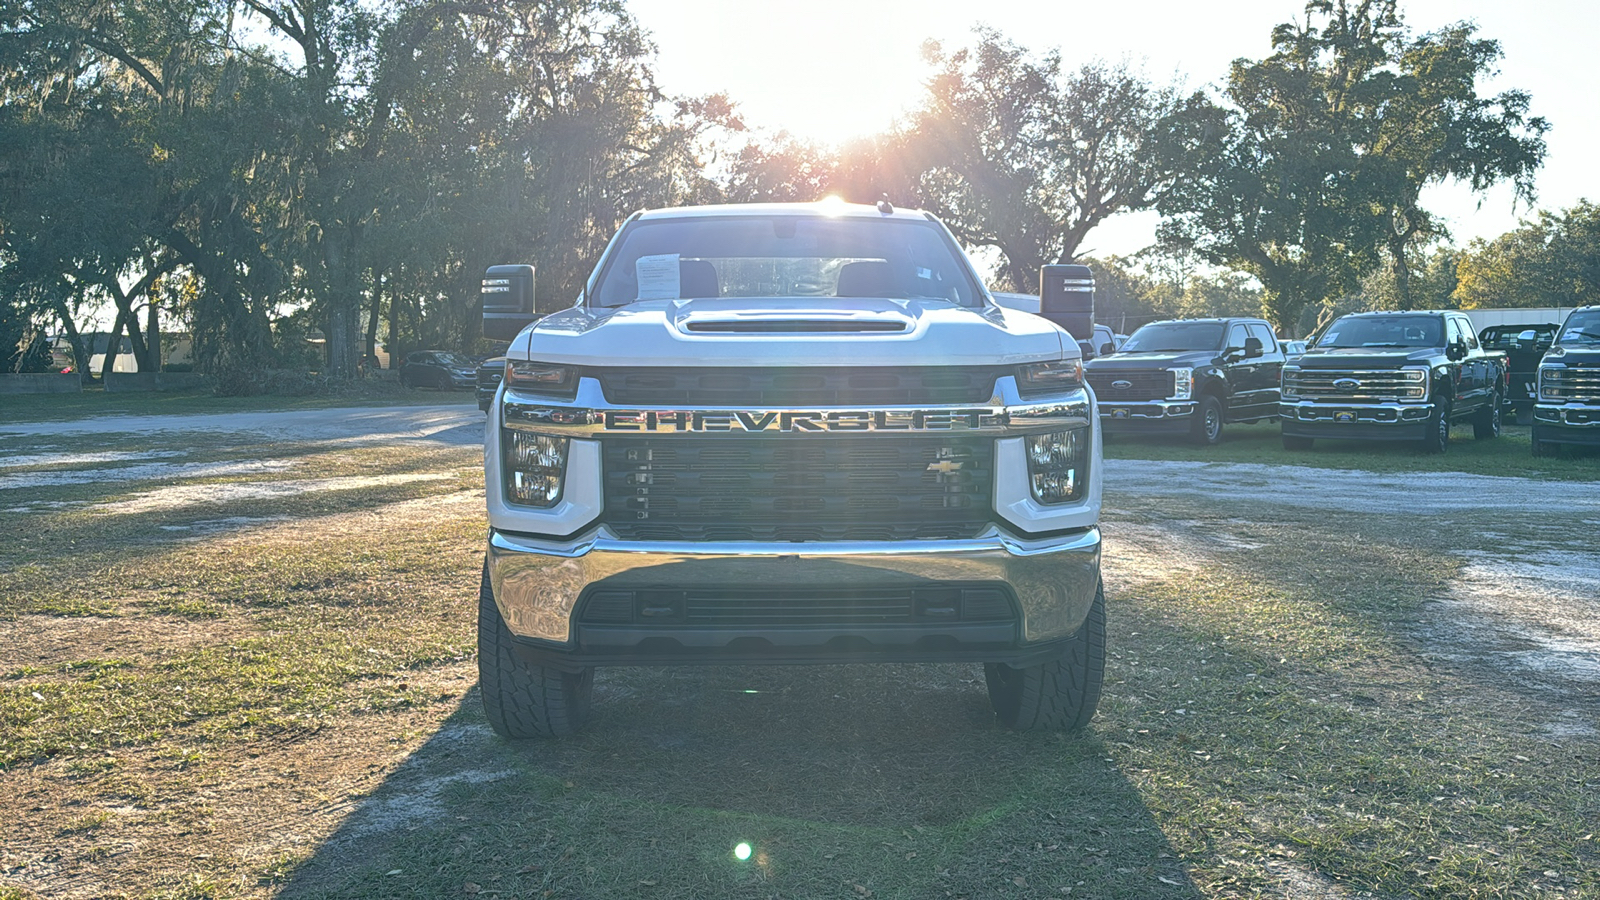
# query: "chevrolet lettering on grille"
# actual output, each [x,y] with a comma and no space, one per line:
[658,421]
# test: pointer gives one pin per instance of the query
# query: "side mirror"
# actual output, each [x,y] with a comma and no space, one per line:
[1528,335]
[1456,350]
[507,301]
[1252,347]
[1107,348]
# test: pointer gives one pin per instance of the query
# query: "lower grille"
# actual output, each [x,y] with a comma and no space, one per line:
[1113,387]
[819,607]
[794,488]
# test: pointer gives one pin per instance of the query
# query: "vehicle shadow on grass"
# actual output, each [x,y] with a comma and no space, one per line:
[843,781]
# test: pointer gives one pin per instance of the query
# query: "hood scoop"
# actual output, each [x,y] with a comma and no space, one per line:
[795,326]
[798,317]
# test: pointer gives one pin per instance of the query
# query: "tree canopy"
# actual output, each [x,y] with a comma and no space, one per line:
[1323,149]
[260,169]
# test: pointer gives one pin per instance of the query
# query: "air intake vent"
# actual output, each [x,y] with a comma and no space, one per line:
[797,326]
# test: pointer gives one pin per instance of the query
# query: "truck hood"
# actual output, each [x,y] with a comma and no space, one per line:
[1574,356]
[1153,359]
[1368,357]
[798,331]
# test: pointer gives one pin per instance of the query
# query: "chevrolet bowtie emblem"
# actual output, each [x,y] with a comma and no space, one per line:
[945,466]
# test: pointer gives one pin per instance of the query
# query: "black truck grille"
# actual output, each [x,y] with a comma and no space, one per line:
[1573,383]
[790,488]
[797,607]
[1349,385]
[808,387]
[1111,387]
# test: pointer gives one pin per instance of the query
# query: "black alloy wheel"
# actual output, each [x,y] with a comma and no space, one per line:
[1206,429]
[1486,424]
[1437,437]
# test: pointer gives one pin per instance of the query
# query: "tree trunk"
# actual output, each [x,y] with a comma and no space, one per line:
[1402,270]
[152,337]
[344,306]
[129,319]
[80,354]
[394,329]
[369,349]
[113,345]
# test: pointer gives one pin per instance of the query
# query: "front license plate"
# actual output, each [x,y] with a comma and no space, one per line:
[1344,416]
[1119,414]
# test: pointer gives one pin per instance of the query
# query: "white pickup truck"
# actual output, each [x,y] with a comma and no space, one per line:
[797,433]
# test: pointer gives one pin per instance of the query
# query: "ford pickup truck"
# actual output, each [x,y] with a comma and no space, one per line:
[790,433]
[1189,377]
[1568,407]
[1393,376]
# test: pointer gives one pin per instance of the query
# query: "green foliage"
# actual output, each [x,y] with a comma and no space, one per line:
[1017,156]
[359,162]
[1552,261]
[1322,149]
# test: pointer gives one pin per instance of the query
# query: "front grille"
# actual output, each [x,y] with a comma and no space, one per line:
[1372,385]
[1150,385]
[1574,383]
[746,607]
[797,488]
[807,387]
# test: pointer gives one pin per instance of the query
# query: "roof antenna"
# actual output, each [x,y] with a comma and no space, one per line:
[884,206]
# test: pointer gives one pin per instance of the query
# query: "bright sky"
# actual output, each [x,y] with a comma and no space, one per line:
[827,70]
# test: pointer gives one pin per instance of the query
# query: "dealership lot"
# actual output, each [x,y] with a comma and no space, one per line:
[237,661]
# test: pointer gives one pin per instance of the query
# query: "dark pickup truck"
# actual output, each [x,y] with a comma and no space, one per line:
[1568,408]
[1524,346]
[1189,377]
[1393,376]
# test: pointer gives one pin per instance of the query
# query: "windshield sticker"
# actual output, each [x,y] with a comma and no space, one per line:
[658,277]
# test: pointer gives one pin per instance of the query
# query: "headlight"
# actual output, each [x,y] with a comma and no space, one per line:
[1050,377]
[1413,384]
[1058,465]
[1182,383]
[1550,382]
[1289,387]
[536,466]
[541,378]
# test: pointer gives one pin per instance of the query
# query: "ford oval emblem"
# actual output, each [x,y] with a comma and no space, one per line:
[1346,384]
[1122,385]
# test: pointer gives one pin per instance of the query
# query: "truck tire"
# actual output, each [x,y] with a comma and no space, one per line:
[1436,439]
[523,700]
[1541,447]
[1060,694]
[1486,424]
[1206,429]
[1296,442]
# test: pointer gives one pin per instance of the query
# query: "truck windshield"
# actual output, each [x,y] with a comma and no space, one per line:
[752,256]
[1174,336]
[1383,331]
[1581,328]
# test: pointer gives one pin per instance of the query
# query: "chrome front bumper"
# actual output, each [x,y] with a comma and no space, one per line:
[537,584]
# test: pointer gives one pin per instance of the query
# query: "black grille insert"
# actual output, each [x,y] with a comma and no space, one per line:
[797,488]
[797,607]
[1114,386]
